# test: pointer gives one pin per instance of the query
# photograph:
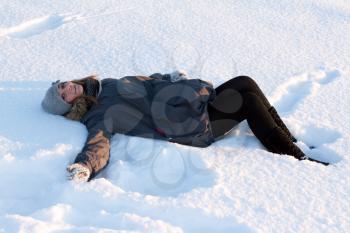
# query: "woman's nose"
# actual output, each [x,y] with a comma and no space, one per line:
[69,88]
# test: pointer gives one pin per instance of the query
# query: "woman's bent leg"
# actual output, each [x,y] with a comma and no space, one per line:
[243,84]
[230,107]
[250,107]
[225,111]
[266,130]
[235,108]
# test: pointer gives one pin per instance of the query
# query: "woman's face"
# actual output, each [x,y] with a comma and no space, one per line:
[69,91]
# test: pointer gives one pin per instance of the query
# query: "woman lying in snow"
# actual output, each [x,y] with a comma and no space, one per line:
[168,107]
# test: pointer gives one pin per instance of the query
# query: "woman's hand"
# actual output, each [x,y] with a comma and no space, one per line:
[178,75]
[78,172]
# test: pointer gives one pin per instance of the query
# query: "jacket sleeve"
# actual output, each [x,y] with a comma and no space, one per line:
[95,153]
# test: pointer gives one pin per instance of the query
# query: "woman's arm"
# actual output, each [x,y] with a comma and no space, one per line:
[94,156]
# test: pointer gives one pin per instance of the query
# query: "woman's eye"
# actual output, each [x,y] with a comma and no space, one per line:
[62,85]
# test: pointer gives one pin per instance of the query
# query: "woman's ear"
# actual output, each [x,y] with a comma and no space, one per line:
[78,110]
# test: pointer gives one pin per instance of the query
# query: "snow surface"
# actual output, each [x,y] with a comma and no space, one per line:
[297,51]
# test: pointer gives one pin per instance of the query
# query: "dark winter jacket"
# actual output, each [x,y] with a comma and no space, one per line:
[151,107]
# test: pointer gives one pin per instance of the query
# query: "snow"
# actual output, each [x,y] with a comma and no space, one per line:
[297,51]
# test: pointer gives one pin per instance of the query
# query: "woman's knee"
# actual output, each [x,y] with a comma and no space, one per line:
[241,84]
[250,96]
[246,80]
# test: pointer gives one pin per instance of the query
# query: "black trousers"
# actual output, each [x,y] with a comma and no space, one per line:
[240,99]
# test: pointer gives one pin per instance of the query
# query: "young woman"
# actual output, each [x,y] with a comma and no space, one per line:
[168,107]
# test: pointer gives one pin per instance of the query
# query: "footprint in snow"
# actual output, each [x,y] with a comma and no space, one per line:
[310,135]
[295,90]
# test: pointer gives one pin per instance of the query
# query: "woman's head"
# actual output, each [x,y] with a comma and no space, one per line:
[65,98]
[69,91]
[60,96]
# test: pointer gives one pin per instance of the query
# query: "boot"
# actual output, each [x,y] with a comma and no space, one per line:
[279,142]
[281,124]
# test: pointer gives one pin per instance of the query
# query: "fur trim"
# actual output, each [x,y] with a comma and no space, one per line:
[79,108]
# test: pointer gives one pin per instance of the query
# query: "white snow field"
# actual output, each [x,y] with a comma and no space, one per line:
[298,51]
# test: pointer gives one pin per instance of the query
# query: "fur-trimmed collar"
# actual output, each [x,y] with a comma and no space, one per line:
[80,107]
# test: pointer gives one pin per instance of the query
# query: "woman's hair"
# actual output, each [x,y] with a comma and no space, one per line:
[83,103]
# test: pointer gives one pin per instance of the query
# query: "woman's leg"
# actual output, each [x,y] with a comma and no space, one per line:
[243,84]
[268,132]
[224,113]
[266,129]
[251,107]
